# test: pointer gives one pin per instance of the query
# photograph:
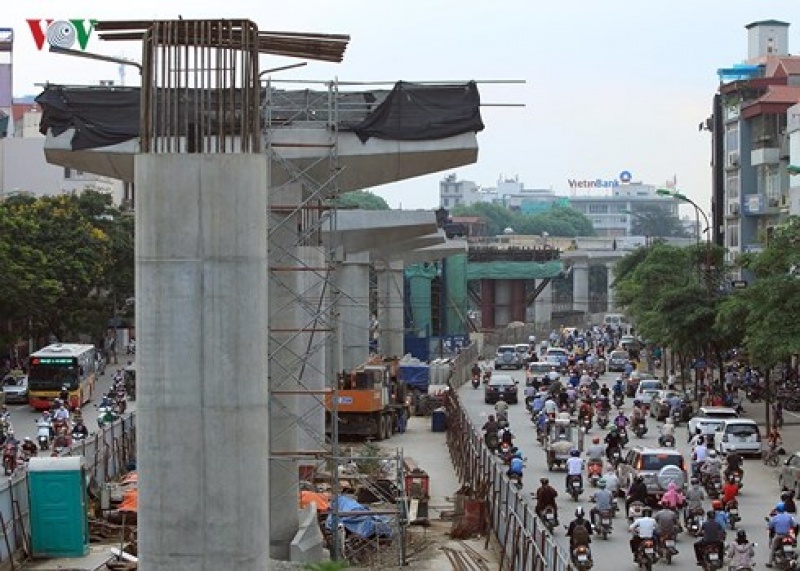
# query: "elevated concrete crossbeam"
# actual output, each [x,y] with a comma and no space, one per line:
[361,230]
[363,165]
[426,254]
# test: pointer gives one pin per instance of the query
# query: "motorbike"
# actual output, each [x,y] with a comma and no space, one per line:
[732,507]
[43,436]
[666,441]
[476,381]
[623,436]
[786,554]
[616,457]
[619,400]
[586,423]
[640,428]
[487,376]
[490,438]
[754,394]
[574,486]
[582,558]
[515,480]
[711,558]
[667,547]
[635,510]
[595,470]
[548,516]
[646,555]
[677,416]
[602,418]
[713,485]
[106,416]
[693,519]
[605,527]
[502,420]
[738,477]
[9,459]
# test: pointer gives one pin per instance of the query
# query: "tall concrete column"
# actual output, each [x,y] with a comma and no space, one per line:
[419,284]
[390,309]
[487,303]
[355,317]
[517,300]
[201,322]
[543,304]
[610,290]
[580,285]
[502,302]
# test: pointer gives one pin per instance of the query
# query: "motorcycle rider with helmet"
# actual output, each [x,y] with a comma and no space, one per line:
[546,497]
[579,531]
[643,528]
[780,526]
[603,501]
[574,466]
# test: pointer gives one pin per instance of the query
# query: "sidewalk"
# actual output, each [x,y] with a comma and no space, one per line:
[429,451]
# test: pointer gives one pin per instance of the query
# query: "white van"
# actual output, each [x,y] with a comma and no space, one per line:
[616,320]
[740,433]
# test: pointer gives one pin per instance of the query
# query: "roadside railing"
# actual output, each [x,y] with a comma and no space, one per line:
[524,540]
[107,452]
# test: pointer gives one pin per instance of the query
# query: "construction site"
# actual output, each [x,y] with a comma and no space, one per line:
[257,297]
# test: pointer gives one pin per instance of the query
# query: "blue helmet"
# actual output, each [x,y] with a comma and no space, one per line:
[574,452]
[518,454]
[780,508]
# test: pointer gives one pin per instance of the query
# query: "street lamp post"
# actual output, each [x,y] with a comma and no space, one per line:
[697,212]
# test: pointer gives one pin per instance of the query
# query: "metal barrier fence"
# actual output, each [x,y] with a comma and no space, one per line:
[107,453]
[526,545]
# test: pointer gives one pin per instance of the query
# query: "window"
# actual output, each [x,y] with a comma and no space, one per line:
[732,236]
[732,185]
[598,208]
[769,182]
[732,138]
[67,172]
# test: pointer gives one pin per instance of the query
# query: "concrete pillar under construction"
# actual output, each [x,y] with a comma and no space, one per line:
[610,306]
[543,304]
[580,285]
[487,303]
[502,302]
[201,322]
[390,309]
[517,300]
[354,309]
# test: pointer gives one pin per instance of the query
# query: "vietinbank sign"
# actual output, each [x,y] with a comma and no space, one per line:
[61,33]
[623,178]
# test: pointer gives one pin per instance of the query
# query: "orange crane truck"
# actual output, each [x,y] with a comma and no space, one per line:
[368,399]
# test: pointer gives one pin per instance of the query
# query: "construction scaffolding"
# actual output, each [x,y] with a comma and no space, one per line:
[305,343]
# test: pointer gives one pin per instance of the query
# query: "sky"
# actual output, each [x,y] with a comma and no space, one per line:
[610,85]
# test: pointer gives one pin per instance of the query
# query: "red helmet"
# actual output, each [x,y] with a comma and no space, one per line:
[716,504]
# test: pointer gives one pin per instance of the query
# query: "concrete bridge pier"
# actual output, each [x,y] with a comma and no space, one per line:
[390,309]
[201,319]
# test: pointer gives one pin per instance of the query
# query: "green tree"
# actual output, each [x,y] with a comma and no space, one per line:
[561,221]
[62,256]
[657,221]
[362,200]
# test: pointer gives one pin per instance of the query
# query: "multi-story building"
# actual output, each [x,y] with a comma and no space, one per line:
[793,131]
[610,212]
[23,168]
[750,133]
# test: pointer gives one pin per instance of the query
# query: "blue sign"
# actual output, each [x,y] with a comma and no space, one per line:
[345,400]
[625,176]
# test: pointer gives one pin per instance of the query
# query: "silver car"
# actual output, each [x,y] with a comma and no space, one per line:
[15,389]
[507,356]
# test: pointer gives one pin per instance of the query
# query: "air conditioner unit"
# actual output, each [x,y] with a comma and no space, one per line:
[784,200]
[733,209]
[733,159]
[773,202]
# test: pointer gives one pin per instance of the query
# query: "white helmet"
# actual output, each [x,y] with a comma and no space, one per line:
[712,453]
[579,511]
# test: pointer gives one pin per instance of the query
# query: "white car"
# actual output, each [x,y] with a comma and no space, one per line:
[709,418]
[739,433]
[647,389]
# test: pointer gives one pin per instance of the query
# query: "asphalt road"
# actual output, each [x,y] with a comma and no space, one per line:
[23,417]
[757,498]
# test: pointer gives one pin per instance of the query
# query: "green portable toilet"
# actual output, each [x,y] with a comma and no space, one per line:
[58,507]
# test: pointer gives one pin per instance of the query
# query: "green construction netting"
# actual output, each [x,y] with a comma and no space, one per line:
[513,270]
[457,302]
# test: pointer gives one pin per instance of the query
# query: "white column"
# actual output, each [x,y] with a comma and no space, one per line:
[580,285]
[201,323]
[354,309]
[610,291]
[543,304]
[391,296]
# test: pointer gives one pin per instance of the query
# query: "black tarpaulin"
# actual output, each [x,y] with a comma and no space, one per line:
[413,112]
[100,117]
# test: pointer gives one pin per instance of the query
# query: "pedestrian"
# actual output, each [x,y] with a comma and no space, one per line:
[111,348]
[401,420]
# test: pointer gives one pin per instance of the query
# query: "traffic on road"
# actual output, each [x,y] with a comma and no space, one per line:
[625,469]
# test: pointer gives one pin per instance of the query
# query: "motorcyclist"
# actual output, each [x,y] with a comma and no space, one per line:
[720,515]
[515,466]
[642,528]
[490,429]
[603,501]
[64,394]
[621,421]
[501,406]
[695,496]
[699,456]
[62,414]
[618,388]
[546,497]
[476,371]
[636,493]
[667,432]
[741,552]
[712,534]
[80,431]
[612,480]
[613,442]
[579,530]
[44,421]
[595,450]
[574,466]
[637,414]
[585,411]
[787,497]
[712,467]
[673,498]
[667,523]
[780,525]
[29,447]
[733,462]
[729,491]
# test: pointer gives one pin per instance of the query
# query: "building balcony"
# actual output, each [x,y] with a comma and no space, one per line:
[765,156]
[762,205]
